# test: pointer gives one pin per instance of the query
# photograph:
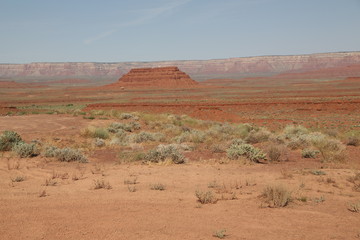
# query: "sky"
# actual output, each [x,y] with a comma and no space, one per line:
[159,30]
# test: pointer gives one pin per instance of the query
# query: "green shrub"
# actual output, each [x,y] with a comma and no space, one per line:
[276,196]
[8,139]
[235,151]
[69,155]
[162,152]
[50,151]
[24,150]
[101,133]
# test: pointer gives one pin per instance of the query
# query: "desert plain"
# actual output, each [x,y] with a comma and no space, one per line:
[250,158]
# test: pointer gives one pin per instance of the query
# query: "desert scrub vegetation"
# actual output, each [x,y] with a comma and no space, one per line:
[240,149]
[276,153]
[25,150]
[96,132]
[258,135]
[101,184]
[165,152]
[354,207]
[158,187]
[220,233]
[65,154]
[309,153]
[205,197]
[276,196]
[356,181]
[146,137]
[128,127]
[8,139]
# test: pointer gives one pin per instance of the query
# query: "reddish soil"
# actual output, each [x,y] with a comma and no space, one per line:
[13,84]
[73,209]
[70,81]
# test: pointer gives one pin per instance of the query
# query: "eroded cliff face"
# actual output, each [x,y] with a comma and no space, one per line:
[237,67]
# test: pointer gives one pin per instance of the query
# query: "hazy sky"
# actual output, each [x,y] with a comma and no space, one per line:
[151,30]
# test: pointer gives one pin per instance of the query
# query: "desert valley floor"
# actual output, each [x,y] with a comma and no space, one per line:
[120,192]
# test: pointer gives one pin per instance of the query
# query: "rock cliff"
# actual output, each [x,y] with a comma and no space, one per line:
[197,69]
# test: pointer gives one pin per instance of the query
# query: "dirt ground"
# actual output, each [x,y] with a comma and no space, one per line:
[57,200]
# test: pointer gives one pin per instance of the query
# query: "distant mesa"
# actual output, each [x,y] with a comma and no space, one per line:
[160,77]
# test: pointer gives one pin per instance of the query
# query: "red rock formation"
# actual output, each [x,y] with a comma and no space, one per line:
[161,77]
[234,68]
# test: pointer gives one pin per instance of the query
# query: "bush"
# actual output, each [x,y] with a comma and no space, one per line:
[291,131]
[260,135]
[194,136]
[8,139]
[126,116]
[205,197]
[162,152]
[274,153]
[309,153]
[116,126]
[144,137]
[50,151]
[353,141]
[331,150]
[69,155]
[99,142]
[96,132]
[276,196]
[26,149]
[297,142]
[235,151]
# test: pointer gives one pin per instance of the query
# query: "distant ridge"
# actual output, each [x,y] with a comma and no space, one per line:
[232,68]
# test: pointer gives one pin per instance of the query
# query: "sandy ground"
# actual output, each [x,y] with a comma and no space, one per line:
[73,209]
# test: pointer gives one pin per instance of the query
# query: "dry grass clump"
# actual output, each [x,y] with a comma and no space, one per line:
[276,196]
[18,179]
[354,207]
[276,153]
[24,150]
[239,149]
[205,197]
[220,234]
[8,139]
[356,181]
[96,132]
[128,127]
[158,187]
[163,152]
[101,184]
[309,153]
[146,137]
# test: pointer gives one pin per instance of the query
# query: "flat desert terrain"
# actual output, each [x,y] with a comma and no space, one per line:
[232,162]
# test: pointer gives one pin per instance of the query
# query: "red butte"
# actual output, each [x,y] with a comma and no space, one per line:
[160,77]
